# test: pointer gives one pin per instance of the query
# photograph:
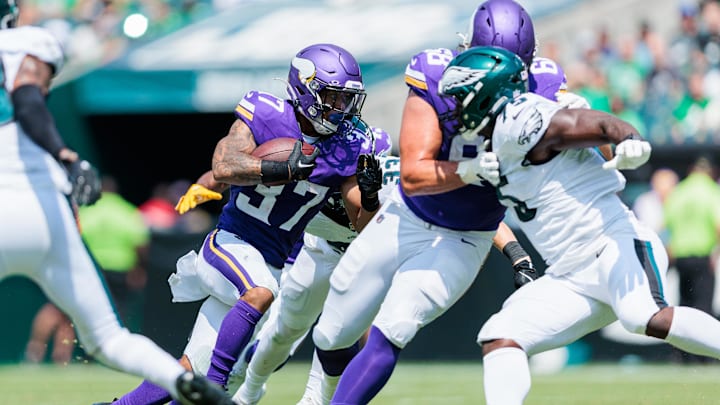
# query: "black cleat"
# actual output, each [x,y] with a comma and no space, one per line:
[197,390]
[105,403]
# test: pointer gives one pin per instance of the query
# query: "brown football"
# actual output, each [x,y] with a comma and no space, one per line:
[279,149]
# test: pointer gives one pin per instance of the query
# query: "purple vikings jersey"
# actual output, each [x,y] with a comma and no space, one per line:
[474,207]
[272,219]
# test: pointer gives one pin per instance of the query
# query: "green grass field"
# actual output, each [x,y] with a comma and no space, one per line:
[412,383]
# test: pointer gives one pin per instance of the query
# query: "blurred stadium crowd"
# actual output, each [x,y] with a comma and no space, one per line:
[668,86]
[97,31]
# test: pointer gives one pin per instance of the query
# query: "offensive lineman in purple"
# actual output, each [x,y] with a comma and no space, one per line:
[437,229]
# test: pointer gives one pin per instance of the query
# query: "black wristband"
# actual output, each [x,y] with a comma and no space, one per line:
[272,171]
[514,251]
[370,203]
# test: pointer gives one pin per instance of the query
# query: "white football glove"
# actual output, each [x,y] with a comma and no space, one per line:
[571,100]
[629,154]
[484,167]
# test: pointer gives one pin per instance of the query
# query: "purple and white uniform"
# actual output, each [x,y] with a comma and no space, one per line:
[420,254]
[432,246]
[260,225]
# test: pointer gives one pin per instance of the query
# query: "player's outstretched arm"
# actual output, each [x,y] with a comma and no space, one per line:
[581,128]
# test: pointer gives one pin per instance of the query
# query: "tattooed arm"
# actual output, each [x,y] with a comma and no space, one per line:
[232,162]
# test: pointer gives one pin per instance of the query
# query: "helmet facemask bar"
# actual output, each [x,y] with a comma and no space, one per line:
[10,13]
[340,103]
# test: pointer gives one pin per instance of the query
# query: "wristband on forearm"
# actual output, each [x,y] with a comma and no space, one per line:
[369,202]
[271,171]
[514,252]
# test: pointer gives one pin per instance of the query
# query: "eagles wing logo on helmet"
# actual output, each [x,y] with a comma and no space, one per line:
[457,77]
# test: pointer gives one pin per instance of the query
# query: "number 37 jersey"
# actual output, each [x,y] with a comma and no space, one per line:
[564,205]
[272,219]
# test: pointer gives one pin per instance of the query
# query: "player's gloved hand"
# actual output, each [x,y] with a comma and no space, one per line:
[369,178]
[86,188]
[571,100]
[483,167]
[629,154]
[524,273]
[300,165]
[194,196]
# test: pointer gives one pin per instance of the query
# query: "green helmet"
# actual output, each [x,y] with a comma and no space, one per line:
[483,79]
[8,13]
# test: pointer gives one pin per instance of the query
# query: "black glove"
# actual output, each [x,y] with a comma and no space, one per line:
[86,188]
[369,179]
[301,166]
[524,273]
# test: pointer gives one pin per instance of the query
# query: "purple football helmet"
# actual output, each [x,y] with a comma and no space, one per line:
[547,78]
[503,23]
[325,85]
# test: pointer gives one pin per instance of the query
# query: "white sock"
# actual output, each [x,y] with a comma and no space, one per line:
[327,387]
[506,376]
[252,389]
[136,354]
[695,331]
[313,388]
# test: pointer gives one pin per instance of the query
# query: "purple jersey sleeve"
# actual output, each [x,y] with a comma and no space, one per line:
[473,207]
[272,219]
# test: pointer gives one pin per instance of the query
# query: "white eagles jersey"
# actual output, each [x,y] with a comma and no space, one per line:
[22,162]
[324,227]
[561,205]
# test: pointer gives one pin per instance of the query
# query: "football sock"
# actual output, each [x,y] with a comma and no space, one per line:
[695,332]
[312,387]
[506,376]
[368,372]
[146,393]
[334,361]
[235,332]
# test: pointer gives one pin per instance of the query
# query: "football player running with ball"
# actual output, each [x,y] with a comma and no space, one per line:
[239,265]
[603,264]
[40,177]
[304,287]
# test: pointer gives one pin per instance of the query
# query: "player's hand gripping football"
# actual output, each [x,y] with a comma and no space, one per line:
[524,272]
[629,154]
[300,165]
[86,188]
[369,178]
[483,167]
[194,196]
